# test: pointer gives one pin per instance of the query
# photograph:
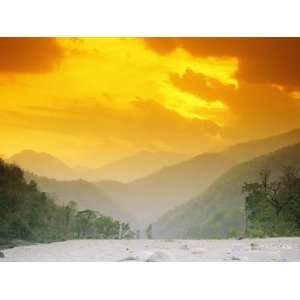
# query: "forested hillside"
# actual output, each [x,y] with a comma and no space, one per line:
[219,211]
[28,214]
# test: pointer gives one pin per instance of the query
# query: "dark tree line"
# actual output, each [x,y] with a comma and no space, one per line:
[272,208]
[28,214]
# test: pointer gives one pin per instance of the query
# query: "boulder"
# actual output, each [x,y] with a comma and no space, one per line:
[284,246]
[255,247]
[158,256]
[198,251]
[128,258]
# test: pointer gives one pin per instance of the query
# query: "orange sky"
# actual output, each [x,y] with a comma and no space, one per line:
[93,100]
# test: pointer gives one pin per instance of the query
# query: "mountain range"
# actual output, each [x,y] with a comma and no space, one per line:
[149,197]
[141,164]
[126,169]
[145,199]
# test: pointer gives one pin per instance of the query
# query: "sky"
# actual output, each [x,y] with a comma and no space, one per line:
[90,101]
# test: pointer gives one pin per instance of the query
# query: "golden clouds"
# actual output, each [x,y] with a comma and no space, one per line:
[261,60]
[121,70]
[254,110]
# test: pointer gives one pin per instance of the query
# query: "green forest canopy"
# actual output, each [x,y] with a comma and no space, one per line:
[273,207]
[28,214]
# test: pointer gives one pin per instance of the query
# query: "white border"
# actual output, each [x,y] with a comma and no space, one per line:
[143,281]
[149,18]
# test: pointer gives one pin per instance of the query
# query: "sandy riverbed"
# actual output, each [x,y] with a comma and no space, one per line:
[272,249]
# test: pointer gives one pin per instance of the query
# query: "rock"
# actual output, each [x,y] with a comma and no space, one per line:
[158,256]
[129,258]
[235,258]
[239,258]
[284,246]
[199,251]
[254,247]
[239,238]
[2,255]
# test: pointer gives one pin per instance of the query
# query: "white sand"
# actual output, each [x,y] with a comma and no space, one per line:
[272,249]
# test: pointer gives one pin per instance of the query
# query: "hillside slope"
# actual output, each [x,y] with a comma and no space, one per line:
[130,168]
[254,148]
[87,195]
[219,210]
[149,197]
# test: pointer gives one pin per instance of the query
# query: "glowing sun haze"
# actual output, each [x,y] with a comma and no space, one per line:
[90,101]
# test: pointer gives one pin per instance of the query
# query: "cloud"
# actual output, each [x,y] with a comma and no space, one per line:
[254,109]
[205,87]
[145,125]
[157,122]
[29,55]
[261,60]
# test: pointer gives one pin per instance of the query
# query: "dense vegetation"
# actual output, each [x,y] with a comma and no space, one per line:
[28,214]
[272,208]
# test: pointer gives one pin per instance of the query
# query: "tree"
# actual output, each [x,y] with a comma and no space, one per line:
[85,223]
[127,232]
[149,232]
[273,206]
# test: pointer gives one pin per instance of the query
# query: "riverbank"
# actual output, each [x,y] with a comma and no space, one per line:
[270,249]
[8,244]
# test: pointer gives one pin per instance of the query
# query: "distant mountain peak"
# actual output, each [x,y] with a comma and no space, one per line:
[28,153]
[43,164]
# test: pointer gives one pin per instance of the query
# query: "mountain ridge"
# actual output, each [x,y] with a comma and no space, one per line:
[126,169]
[149,197]
[86,194]
[153,195]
